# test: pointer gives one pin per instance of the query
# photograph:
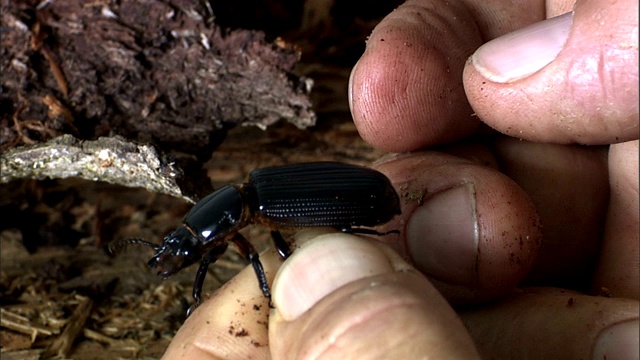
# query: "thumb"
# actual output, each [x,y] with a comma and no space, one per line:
[340,295]
[572,78]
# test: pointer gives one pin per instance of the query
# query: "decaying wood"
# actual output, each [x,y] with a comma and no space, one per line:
[62,344]
[152,71]
[22,325]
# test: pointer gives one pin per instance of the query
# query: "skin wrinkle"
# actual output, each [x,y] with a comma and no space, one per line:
[204,350]
[507,22]
[396,100]
[602,75]
[435,22]
[398,341]
[566,114]
[594,74]
[363,318]
[590,72]
[204,346]
[531,103]
[628,178]
[432,20]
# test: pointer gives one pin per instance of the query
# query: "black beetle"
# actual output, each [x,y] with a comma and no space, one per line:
[342,196]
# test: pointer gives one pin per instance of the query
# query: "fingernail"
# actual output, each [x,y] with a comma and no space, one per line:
[619,341]
[522,52]
[321,266]
[442,236]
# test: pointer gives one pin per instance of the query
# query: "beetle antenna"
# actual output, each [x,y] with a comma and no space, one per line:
[117,246]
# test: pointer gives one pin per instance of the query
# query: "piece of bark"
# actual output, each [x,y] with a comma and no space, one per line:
[108,159]
[153,71]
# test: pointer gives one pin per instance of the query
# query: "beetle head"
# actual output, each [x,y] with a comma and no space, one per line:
[178,250]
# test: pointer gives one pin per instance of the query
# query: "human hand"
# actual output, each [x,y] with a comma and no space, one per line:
[568,80]
[406,95]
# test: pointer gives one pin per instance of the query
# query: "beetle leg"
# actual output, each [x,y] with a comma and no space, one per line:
[281,244]
[351,230]
[249,252]
[209,258]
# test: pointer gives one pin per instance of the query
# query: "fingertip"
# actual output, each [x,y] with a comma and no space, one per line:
[323,262]
[320,266]
[405,92]
[374,295]
[472,230]
[231,323]
[568,79]
[551,323]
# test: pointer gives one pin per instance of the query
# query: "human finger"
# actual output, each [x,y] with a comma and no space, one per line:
[473,231]
[339,295]
[570,188]
[551,323]
[406,90]
[570,79]
[618,273]
[231,324]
